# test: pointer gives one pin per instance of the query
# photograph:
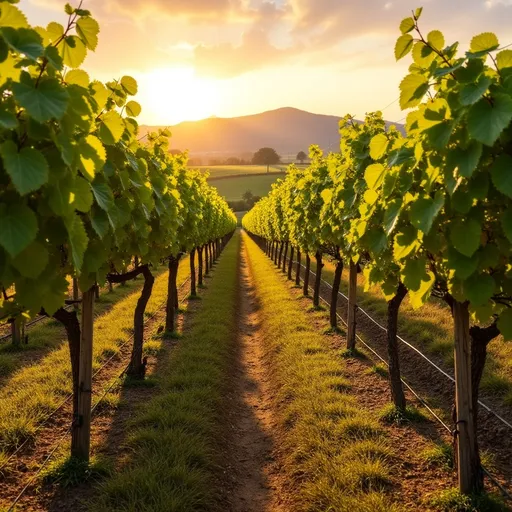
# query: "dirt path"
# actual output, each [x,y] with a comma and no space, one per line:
[253,485]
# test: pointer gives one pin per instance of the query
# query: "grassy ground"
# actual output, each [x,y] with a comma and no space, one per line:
[234,170]
[30,393]
[172,442]
[234,188]
[335,456]
[431,327]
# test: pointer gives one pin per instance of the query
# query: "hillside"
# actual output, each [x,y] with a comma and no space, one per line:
[288,130]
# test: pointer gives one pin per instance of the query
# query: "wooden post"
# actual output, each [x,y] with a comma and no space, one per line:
[467,464]
[15,332]
[75,292]
[85,376]
[352,306]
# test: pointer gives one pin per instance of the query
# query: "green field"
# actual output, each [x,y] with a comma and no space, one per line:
[233,188]
[233,170]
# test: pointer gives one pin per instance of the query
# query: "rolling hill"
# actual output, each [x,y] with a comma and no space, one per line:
[288,130]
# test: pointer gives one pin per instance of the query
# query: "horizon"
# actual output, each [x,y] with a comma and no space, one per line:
[217,58]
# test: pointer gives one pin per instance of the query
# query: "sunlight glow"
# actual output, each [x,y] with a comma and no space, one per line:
[173,95]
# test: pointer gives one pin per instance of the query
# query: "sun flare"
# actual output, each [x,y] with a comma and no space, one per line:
[173,95]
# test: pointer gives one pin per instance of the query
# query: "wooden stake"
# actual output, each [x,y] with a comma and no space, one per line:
[85,375]
[466,457]
[75,292]
[352,306]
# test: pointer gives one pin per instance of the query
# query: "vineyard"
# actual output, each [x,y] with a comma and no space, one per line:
[346,350]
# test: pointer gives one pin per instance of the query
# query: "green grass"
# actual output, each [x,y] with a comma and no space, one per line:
[173,440]
[31,392]
[336,458]
[430,328]
[391,414]
[451,500]
[217,171]
[234,188]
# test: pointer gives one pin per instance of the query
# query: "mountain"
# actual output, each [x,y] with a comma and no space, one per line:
[287,130]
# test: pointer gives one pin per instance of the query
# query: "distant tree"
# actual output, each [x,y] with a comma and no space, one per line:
[266,156]
[248,196]
[301,156]
[232,160]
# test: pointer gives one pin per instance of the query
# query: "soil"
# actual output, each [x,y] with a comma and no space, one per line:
[252,474]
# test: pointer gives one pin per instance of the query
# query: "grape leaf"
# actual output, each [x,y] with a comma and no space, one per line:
[87,28]
[412,89]
[73,51]
[18,227]
[486,121]
[465,236]
[424,210]
[27,168]
[32,260]
[92,156]
[501,174]
[403,46]
[48,100]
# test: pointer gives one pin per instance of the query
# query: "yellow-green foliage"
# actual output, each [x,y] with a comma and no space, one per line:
[173,440]
[336,453]
[31,393]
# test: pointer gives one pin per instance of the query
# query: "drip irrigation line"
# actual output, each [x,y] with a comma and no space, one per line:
[412,347]
[504,491]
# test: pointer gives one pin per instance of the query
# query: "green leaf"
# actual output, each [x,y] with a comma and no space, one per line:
[374,175]
[501,174]
[405,242]
[462,265]
[8,120]
[31,261]
[87,28]
[471,93]
[18,227]
[422,54]
[102,194]
[82,195]
[505,324]
[436,39]
[77,77]
[28,168]
[466,159]
[504,60]
[92,156]
[48,100]
[99,221]
[484,42]
[418,297]
[417,12]
[412,89]
[506,223]
[465,236]
[486,121]
[73,51]
[129,84]
[479,288]
[54,59]
[406,25]
[133,109]
[424,210]
[403,46]
[439,135]
[391,215]
[24,40]
[413,273]
[378,146]
[77,239]
[111,128]
[11,16]
[54,31]
[326,195]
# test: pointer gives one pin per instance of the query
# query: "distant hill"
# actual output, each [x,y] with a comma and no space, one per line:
[288,130]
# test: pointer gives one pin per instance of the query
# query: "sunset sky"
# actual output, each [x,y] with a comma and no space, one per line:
[198,58]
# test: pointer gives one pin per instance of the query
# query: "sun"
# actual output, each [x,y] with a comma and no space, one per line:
[171,95]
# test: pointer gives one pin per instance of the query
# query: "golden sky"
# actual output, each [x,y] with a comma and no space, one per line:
[198,58]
